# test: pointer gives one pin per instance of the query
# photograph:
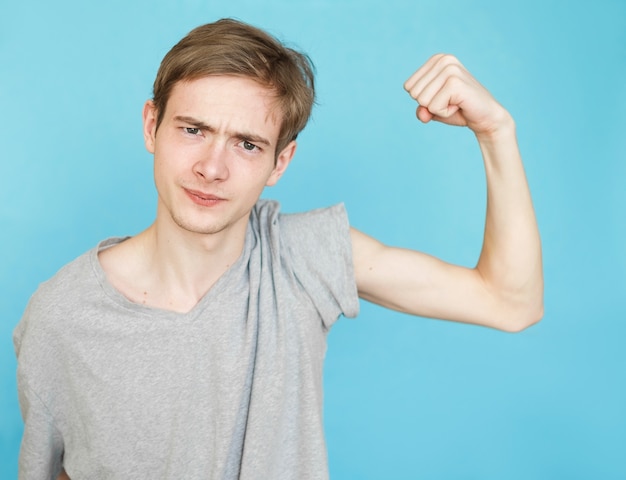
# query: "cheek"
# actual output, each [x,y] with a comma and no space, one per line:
[158,175]
[250,171]
[170,160]
[164,171]
[267,177]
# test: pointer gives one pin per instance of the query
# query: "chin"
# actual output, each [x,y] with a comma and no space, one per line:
[202,229]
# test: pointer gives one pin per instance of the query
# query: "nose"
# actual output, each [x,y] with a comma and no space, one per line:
[212,163]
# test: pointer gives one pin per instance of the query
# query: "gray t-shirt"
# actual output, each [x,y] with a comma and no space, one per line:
[231,389]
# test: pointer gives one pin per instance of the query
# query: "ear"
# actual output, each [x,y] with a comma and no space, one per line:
[282,162]
[149,125]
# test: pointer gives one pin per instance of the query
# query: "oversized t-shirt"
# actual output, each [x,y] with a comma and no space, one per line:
[231,389]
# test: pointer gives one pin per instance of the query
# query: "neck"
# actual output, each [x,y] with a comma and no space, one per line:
[184,265]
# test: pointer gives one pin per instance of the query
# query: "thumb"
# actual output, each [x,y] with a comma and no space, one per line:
[423,115]
[452,115]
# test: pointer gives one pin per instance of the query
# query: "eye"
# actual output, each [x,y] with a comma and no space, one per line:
[249,146]
[192,130]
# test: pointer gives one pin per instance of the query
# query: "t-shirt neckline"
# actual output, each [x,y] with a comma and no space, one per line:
[121,300]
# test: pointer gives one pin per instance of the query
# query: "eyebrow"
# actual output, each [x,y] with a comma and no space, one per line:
[251,137]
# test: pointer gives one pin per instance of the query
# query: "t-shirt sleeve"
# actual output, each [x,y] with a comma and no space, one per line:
[320,250]
[41,451]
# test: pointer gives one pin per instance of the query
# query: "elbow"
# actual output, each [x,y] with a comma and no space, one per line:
[523,317]
[521,308]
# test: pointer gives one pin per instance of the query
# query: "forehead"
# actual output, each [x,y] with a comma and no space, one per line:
[226,98]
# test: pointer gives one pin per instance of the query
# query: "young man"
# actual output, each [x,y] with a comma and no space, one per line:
[195,348]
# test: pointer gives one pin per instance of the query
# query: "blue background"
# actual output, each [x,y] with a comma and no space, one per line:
[405,397]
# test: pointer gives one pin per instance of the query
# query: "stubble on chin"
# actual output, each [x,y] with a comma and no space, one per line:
[199,227]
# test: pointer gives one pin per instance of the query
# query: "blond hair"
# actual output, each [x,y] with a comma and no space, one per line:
[231,47]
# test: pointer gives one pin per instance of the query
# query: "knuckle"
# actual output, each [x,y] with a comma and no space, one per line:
[454,78]
[451,63]
[447,59]
[454,73]
[422,99]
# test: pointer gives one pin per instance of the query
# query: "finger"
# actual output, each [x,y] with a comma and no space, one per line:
[444,99]
[447,104]
[425,116]
[433,73]
[454,116]
[421,72]
[425,92]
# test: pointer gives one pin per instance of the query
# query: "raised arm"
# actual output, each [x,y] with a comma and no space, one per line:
[505,288]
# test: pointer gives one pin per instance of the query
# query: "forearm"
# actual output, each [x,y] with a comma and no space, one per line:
[505,290]
[510,261]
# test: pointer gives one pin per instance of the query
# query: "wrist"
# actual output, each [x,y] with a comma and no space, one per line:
[502,130]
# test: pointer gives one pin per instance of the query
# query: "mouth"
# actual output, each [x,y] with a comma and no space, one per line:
[202,198]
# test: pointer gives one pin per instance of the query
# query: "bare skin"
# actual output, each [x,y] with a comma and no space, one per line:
[505,289]
[215,152]
[175,261]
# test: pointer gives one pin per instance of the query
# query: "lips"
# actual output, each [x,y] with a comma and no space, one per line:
[202,198]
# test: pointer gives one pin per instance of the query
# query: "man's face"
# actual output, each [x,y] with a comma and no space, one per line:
[214,152]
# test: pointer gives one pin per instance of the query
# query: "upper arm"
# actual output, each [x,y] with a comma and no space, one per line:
[415,283]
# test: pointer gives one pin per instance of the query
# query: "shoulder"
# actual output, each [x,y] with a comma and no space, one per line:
[120,261]
[59,294]
[55,289]
[316,241]
[320,230]
[267,213]
[315,248]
